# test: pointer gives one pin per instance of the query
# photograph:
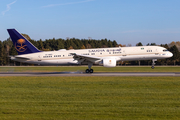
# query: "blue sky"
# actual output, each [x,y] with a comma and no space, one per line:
[126,21]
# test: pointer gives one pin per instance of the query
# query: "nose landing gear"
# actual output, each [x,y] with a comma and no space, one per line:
[153,63]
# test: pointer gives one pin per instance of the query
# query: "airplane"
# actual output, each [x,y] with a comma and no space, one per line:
[108,57]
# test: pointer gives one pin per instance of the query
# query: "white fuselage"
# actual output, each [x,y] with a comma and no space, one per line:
[119,53]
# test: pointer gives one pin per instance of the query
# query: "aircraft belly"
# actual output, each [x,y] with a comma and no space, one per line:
[59,61]
[141,57]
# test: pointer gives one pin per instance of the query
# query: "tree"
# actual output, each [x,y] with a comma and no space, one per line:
[67,44]
[70,48]
[104,42]
[153,44]
[47,47]
[172,44]
[98,44]
[176,54]
[40,45]
[109,43]
[13,52]
[53,44]
[26,36]
[83,47]
[139,44]
[78,43]
[60,44]
[35,43]
[88,46]
[120,45]
[175,43]
[72,43]
[7,46]
[1,53]
[104,46]
[114,43]
[92,43]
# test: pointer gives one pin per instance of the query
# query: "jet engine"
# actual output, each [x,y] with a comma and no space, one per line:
[109,62]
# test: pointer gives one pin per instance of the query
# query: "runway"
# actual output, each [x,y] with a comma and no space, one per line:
[144,74]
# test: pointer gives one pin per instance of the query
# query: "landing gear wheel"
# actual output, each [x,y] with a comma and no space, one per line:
[91,70]
[152,67]
[87,70]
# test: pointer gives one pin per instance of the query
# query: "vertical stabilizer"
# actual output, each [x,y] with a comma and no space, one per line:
[22,45]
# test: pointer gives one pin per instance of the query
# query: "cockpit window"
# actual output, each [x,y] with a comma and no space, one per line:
[165,50]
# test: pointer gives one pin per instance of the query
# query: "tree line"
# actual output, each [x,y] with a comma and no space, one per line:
[7,49]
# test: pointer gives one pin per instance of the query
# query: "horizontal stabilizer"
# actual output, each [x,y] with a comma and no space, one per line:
[15,57]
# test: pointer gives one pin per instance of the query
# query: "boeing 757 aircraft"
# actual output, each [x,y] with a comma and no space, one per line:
[108,57]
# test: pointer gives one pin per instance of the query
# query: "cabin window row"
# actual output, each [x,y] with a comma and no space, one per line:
[149,50]
[51,56]
[57,55]
[86,54]
[47,56]
[116,52]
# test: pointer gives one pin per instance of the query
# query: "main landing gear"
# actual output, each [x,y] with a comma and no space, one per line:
[153,63]
[89,70]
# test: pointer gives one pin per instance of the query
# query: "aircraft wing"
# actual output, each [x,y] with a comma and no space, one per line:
[82,58]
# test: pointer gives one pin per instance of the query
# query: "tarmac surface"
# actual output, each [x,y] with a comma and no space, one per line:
[144,74]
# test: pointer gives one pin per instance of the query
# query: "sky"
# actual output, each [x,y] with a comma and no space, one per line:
[126,21]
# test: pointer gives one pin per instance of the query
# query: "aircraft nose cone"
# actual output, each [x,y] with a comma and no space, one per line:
[170,54]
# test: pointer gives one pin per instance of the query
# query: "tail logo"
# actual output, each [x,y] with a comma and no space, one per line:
[20,45]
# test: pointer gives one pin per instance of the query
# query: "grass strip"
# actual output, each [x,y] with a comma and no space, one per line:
[80,98]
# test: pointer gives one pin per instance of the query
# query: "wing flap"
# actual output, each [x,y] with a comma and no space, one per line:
[85,56]
[82,58]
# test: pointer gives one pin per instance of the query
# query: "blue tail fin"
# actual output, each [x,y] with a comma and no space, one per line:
[22,45]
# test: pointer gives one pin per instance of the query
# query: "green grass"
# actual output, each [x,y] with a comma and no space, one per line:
[80,98]
[82,68]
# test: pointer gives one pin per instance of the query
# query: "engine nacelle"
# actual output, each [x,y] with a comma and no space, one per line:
[109,62]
